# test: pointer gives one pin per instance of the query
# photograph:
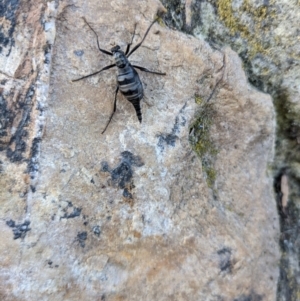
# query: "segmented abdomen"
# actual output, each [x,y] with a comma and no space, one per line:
[131,87]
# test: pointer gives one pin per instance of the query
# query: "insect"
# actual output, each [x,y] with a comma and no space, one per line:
[128,80]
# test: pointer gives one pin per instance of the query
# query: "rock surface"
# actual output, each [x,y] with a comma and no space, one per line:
[265,34]
[149,211]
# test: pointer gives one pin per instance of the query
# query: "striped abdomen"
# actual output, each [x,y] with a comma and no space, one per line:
[131,87]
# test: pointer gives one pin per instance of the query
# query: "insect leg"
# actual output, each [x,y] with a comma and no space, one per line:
[139,44]
[105,68]
[102,50]
[147,70]
[128,45]
[115,107]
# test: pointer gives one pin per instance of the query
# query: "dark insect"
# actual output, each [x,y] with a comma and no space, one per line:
[128,81]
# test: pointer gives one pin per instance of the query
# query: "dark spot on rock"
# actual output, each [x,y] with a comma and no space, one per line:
[11,223]
[47,53]
[122,175]
[82,235]
[166,139]
[96,230]
[35,147]
[76,212]
[81,238]
[127,194]
[105,167]
[169,139]
[19,230]
[78,52]
[132,159]
[225,260]
[180,121]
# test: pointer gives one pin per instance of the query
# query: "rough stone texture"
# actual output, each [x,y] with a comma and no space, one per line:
[134,214]
[266,36]
[25,43]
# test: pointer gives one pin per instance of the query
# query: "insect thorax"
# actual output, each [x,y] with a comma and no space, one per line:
[120,59]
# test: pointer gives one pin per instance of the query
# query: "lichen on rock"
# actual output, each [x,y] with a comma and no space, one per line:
[201,141]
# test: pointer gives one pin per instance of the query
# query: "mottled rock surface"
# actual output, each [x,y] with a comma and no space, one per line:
[265,34]
[179,207]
